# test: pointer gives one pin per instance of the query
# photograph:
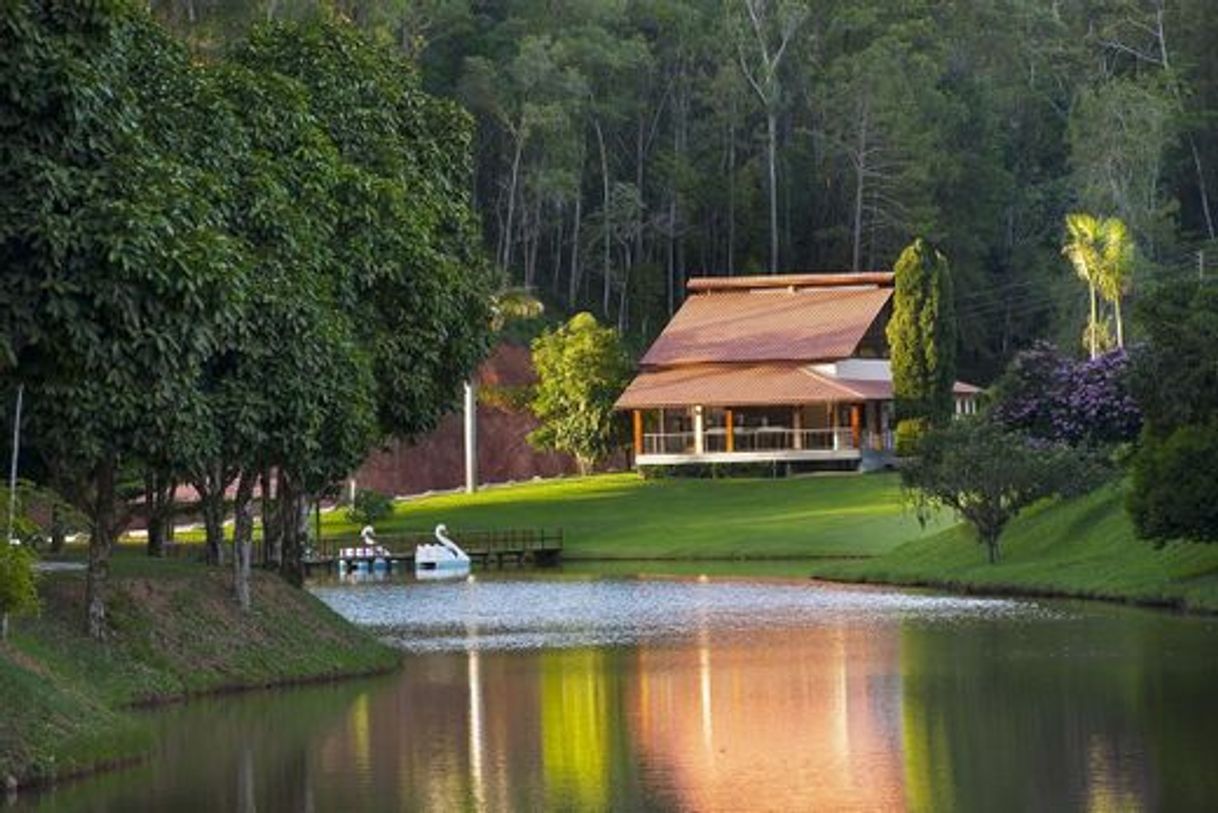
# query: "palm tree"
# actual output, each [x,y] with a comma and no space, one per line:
[1116,267]
[1101,252]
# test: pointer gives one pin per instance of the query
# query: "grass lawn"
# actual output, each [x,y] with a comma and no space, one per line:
[1083,547]
[622,516]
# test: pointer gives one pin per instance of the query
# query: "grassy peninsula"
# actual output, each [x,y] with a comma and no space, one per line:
[175,631]
[847,528]
[1083,547]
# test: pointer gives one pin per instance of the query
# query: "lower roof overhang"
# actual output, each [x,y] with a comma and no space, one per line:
[726,385]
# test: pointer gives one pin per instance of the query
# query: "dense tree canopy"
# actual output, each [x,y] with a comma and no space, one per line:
[623,146]
[1175,380]
[213,269]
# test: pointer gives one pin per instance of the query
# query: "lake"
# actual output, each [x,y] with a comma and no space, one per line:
[560,692]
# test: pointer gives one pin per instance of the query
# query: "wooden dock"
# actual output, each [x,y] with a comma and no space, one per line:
[541,547]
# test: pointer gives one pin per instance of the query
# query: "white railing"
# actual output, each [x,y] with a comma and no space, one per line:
[764,439]
[668,443]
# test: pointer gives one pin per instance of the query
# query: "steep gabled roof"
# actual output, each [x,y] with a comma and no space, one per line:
[762,322]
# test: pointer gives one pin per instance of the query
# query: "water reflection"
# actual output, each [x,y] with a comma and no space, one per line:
[826,700]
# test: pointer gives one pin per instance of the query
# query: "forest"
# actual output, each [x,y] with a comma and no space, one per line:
[622,146]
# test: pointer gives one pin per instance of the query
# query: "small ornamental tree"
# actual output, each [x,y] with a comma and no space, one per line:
[581,370]
[922,336]
[988,475]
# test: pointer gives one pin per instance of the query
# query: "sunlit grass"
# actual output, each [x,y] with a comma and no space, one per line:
[622,516]
[1082,547]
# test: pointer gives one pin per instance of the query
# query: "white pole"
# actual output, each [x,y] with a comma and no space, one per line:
[471,437]
[12,469]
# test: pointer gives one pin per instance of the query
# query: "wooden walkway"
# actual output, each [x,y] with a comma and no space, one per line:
[486,548]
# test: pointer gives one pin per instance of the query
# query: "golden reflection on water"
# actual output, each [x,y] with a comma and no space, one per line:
[778,720]
[785,720]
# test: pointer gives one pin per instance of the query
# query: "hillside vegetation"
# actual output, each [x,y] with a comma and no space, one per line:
[1082,547]
[175,631]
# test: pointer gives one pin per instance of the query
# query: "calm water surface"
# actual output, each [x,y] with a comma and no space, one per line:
[553,693]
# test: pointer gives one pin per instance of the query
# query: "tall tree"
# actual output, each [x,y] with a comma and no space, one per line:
[764,29]
[114,261]
[922,336]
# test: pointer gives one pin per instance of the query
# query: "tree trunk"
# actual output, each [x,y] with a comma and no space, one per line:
[600,140]
[731,192]
[573,283]
[860,166]
[992,548]
[158,505]
[213,522]
[293,512]
[272,538]
[101,539]
[243,532]
[57,534]
[1094,327]
[1116,305]
[772,160]
[3,626]
[507,226]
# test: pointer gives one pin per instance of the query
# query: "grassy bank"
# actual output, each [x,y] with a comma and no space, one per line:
[622,516]
[1083,547]
[175,632]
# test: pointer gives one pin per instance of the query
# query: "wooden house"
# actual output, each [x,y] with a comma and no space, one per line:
[790,369]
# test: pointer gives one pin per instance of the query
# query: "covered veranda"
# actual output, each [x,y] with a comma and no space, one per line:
[752,413]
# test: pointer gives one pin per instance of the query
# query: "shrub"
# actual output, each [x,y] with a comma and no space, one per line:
[369,506]
[1175,485]
[1049,396]
[18,589]
[909,435]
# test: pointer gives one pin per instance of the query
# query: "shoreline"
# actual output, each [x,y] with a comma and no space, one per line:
[72,704]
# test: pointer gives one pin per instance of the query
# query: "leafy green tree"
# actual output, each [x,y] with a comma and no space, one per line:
[972,466]
[922,335]
[399,300]
[1120,132]
[1175,382]
[581,370]
[115,264]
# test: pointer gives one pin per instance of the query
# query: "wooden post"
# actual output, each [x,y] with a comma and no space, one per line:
[731,432]
[699,439]
[638,433]
[797,423]
[855,428]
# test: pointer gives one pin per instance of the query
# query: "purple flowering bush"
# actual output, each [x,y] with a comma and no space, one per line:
[1055,398]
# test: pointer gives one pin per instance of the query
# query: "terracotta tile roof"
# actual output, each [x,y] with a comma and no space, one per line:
[731,385]
[835,280]
[811,324]
[728,385]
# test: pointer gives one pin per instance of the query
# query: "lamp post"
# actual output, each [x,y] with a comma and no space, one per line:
[12,469]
